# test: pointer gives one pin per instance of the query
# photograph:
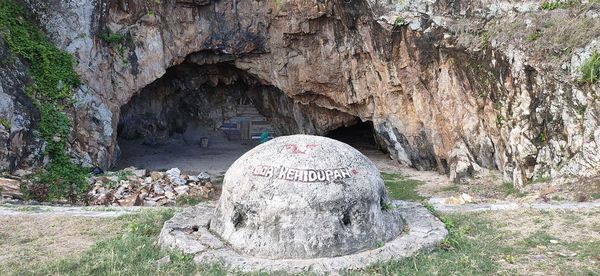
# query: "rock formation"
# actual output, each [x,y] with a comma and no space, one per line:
[450,86]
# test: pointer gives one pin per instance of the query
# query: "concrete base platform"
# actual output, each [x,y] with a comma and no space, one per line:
[188,231]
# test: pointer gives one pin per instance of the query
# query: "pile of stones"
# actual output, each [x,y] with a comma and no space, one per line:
[139,187]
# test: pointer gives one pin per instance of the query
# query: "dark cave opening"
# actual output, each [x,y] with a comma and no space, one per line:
[360,135]
[202,117]
[193,111]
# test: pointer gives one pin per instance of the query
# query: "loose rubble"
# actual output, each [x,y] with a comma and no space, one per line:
[138,187]
[10,188]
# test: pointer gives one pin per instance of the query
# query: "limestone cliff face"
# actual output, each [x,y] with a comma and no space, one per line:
[447,85]
[18,146]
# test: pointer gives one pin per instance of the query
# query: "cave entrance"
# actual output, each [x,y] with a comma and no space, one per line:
[205,113]
[360,135]
[196,118]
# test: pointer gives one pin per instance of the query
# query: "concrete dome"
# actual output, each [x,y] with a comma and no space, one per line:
[304,197]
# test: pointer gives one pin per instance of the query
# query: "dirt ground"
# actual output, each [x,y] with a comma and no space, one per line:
[190,159]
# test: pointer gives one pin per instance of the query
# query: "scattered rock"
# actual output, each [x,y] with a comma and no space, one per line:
[567,254]
[553,241]
[164,260]
[10,188]
[156,175]
[466,198]
[455,200]
[181,190]
[203,177]
[143,188]
[538,257]
[22,173]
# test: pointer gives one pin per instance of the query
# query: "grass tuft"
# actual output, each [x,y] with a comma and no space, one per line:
[401,188]
[509,189]
[591,68]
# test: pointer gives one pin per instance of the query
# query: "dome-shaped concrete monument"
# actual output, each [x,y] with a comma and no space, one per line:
[304,197]
[299,203]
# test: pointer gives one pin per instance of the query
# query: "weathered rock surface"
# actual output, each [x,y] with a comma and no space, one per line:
[18,147]
[10,188]
[304,196]
[458,85]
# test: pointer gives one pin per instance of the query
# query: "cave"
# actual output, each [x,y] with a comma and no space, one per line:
[204,113]
[360,135]
[206,107]
[193,111]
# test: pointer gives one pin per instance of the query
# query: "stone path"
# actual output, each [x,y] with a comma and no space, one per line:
[76,211]
[439,205]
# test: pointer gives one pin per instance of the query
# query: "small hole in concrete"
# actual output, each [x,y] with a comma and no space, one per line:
[195,228]
[238,220]
[346,218]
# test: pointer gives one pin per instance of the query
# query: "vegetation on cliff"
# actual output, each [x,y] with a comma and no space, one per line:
[591,68]
[53,80]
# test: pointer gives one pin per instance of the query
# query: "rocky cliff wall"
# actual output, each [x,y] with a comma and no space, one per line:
[450,86]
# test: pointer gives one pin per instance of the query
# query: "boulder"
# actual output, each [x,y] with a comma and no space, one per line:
[304,196]
[10,188]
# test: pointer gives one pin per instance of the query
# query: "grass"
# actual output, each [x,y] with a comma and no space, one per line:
[535,35]
[32,209]
[538,238]
[5,123]
[185,201]
[590,69]
[559,4]
[135,252]
[509,189]
[471,248]
[400,21]
[401,188]
[484,243]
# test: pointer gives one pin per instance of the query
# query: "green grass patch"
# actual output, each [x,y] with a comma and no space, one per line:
[400,21]
[509,189]
[5,123]
[538,238]
[401,188]
[471,248]
[185,201]
[534,36]
[111,37]
[559,4]
[53,79]
[33,209]
[590,69]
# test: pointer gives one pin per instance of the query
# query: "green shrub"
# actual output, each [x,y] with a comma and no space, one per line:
[400,21]
[53,79]
[485,39]
[556,4]
[5,123]
[591,68]
[112,38]
[534,36]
